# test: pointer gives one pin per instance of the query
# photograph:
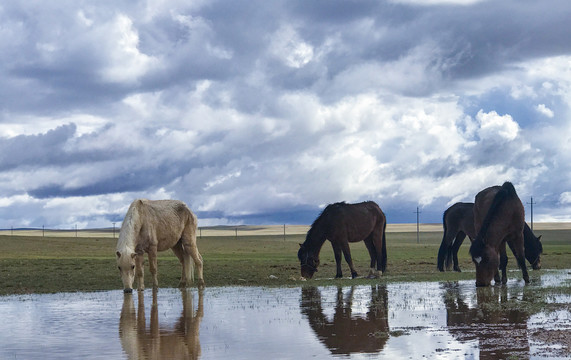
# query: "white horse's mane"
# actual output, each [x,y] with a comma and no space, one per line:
[128,229]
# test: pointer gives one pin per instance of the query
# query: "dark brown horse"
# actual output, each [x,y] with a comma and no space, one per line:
[342,223]
[498,218]
[458,222]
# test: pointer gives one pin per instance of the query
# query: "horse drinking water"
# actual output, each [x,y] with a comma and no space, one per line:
[458,222]
[152,226]
[498,218]
[342,223]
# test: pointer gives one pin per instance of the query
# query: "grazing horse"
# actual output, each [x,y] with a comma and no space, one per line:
[458,222]
[498,218]
[342,223]
[152,226]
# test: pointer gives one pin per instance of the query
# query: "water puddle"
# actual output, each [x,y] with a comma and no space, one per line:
[397,321]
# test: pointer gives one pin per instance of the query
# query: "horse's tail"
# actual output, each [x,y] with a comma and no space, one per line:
[445,251]
[384,249]
[507,191]
[193,225]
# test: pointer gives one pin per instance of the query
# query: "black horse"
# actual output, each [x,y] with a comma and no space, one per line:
[342,223]
[498,218]
[458,222]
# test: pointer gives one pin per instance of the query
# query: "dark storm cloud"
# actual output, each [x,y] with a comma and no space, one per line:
[37,150]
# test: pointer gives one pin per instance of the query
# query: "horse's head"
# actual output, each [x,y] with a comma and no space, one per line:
[309,262]
[126,265]
[486,260]
[533,251]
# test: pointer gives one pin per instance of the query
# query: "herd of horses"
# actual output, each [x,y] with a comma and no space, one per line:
[495,218]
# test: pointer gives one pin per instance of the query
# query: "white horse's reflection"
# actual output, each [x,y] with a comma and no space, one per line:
[179,342]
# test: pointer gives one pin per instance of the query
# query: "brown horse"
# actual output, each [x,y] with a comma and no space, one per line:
[498,218]
[458,222]
[342,223]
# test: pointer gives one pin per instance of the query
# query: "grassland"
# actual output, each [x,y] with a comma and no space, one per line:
[257,256]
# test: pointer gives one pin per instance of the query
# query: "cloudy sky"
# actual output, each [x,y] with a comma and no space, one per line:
[262,112]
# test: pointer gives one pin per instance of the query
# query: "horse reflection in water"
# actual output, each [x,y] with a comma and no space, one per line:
[346,332]
[155,342]
[501,333]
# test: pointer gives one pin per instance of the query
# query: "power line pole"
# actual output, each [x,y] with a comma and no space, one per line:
[531,203]
[417,225]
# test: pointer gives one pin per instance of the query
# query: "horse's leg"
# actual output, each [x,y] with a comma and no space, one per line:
[177,250]
[347,254]
[377,239]
[516,244]
[337,254]
[503,262]
[140,271]
[454,249]
[443,261]
[153,265]
[373,254]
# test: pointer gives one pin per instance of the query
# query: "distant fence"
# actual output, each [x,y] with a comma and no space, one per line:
[205,231]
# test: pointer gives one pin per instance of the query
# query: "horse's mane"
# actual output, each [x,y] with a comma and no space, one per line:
[129,227]
[507,191]
[318,221]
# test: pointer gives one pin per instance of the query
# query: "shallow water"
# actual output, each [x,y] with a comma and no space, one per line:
[397,321]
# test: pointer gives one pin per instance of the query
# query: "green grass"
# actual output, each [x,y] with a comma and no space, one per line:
[57,264]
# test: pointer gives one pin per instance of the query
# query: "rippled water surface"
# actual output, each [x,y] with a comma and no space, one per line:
[395,321]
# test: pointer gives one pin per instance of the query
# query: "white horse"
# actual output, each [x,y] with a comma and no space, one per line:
[152,226]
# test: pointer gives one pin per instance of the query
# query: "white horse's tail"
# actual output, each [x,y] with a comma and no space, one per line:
[192,226]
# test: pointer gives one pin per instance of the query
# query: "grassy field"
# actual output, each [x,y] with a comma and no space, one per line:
[63,262]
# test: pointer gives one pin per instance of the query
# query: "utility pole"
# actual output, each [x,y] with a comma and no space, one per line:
[284,232]
[531,203]
[417,225]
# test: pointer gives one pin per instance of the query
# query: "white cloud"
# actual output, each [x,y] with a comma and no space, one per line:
[287,45]
[565,197]
[497,127]
[126,63]
[544,110]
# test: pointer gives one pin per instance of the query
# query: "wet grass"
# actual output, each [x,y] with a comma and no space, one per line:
[59,264]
